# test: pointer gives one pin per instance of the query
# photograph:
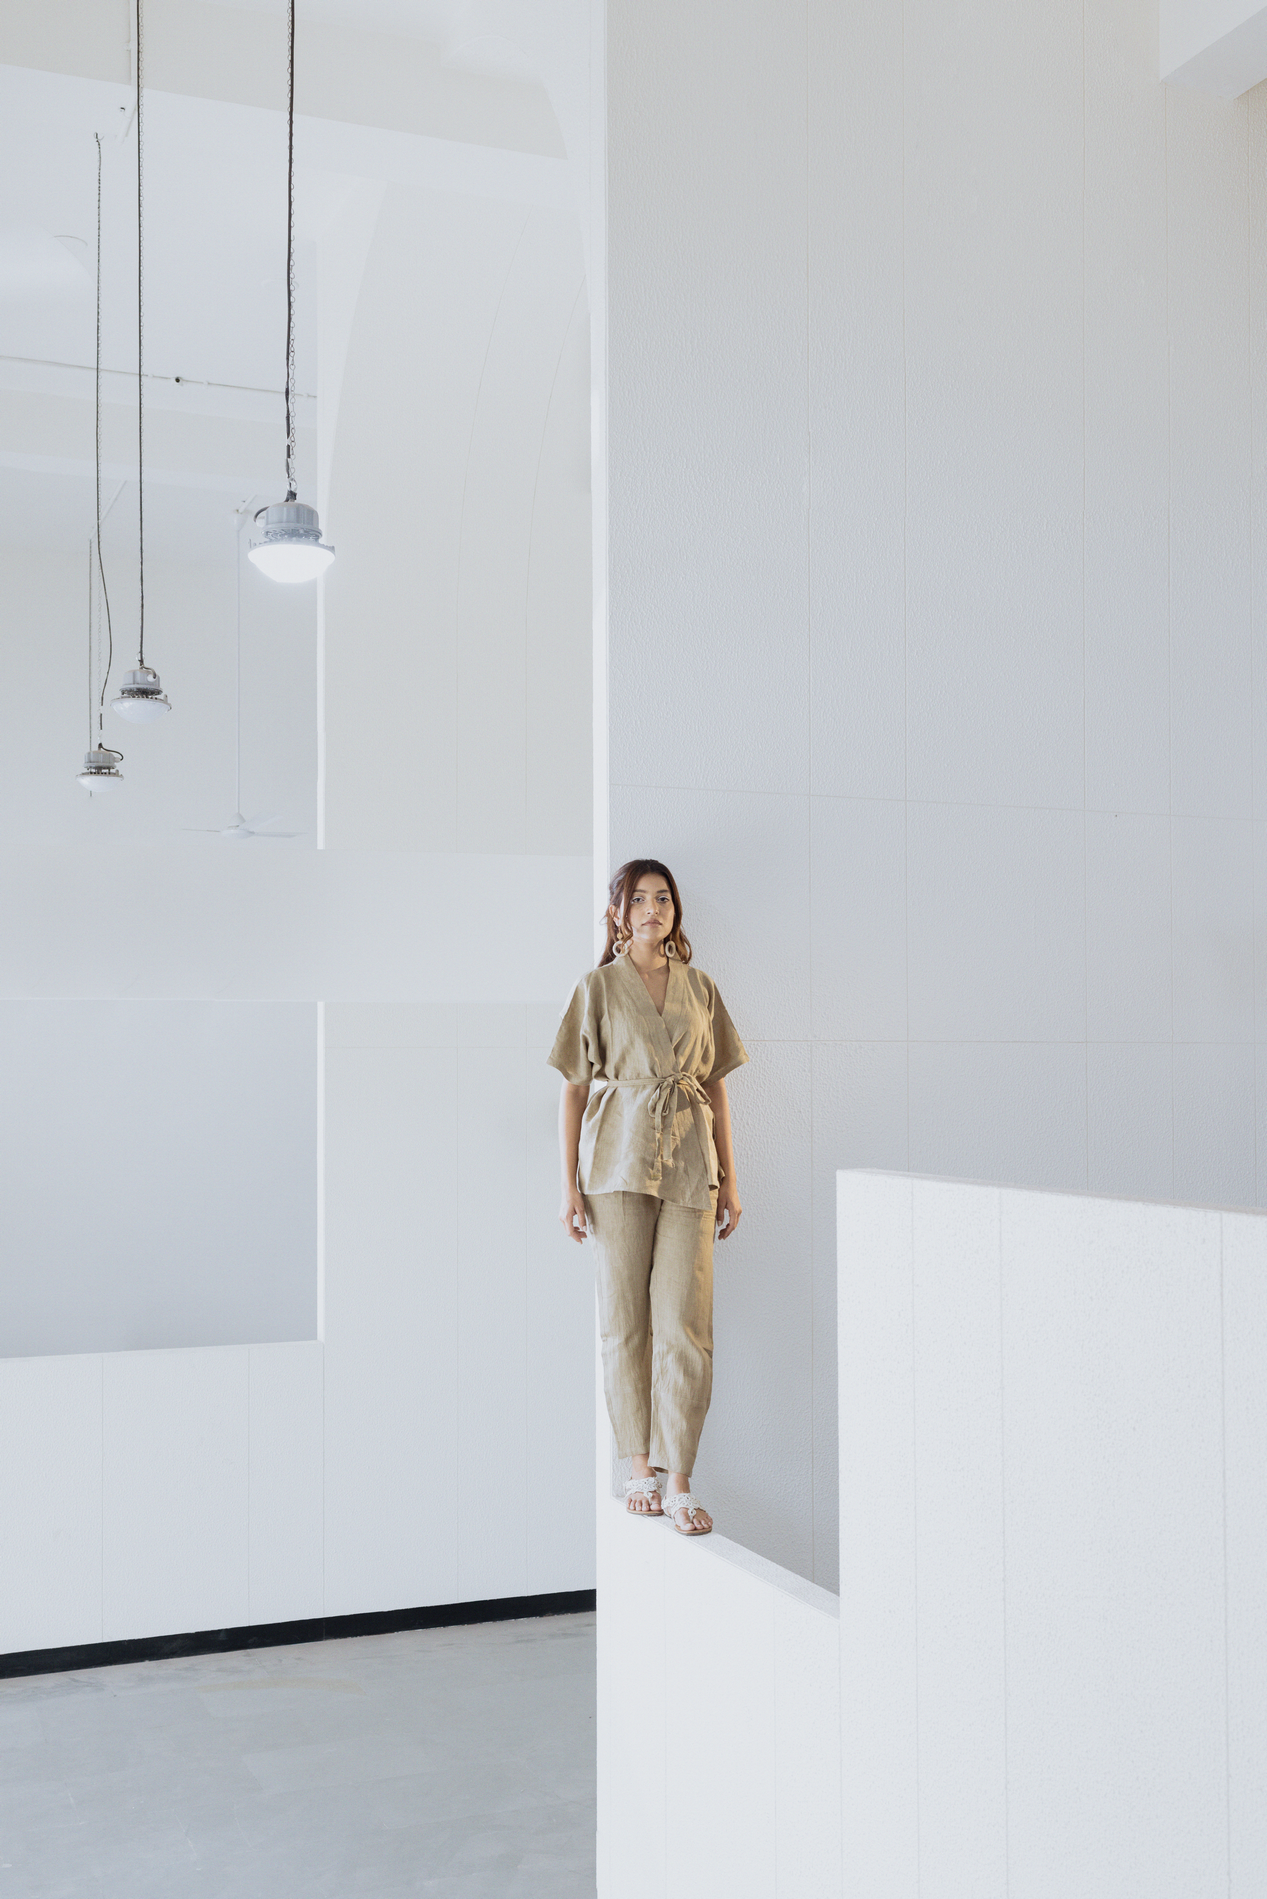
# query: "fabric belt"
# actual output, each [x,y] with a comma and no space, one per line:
[664,1105]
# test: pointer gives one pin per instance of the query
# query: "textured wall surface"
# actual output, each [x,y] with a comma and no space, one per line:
[935,347]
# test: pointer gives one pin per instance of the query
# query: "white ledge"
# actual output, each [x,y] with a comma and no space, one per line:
[720,1549]
[1213,46]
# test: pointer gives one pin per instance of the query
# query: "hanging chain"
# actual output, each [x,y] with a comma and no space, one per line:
[105,597]
[290,257]
[140,342]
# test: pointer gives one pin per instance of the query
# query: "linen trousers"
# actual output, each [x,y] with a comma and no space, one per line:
[655,1308]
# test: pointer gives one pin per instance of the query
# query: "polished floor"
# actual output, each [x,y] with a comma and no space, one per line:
[457,1763]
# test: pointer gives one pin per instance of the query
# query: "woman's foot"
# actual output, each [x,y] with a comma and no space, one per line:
[693,1520]
[642,1492]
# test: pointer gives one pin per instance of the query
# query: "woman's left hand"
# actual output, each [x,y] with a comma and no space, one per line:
[727,1203]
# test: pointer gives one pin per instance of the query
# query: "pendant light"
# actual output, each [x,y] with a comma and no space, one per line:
[292,548]
[141,698]
[101,764]
[100,769]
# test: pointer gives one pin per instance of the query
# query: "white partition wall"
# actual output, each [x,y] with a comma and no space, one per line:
[718,1714]
[1048,1675]
[1053,1435]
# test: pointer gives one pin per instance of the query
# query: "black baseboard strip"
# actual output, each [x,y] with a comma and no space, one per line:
[157,1648]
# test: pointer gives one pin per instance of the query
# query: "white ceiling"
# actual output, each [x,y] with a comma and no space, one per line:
[215,270]
[215,231]
[215,309]
[468,35]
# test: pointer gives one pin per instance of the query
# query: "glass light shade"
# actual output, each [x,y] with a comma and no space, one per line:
[292,548]
[282,562]
[100,770]
[141,699]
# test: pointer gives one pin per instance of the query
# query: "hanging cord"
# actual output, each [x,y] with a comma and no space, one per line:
[140,345]
[237,569]
[105,596]
[90,607]
[290,257]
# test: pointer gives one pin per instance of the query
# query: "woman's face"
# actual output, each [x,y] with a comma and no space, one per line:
[650,916]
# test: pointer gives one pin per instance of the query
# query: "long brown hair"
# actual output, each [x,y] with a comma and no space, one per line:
[621,889]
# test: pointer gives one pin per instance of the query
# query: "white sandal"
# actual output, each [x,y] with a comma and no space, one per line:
[685,1502]
[642,1487]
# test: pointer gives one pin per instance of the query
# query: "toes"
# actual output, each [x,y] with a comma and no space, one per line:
[697,1522]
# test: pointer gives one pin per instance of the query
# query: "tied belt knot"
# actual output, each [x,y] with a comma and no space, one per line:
[669,1092]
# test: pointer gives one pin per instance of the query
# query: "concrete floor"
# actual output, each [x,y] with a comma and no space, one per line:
[457,1763]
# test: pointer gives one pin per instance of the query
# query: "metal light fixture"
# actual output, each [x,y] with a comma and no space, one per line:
[292,548]
[141,699]
[101,769]
[101,763]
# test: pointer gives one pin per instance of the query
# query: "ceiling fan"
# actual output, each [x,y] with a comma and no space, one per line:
[238,829]
[241,830]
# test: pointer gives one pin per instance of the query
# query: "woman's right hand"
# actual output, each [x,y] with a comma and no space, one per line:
[572,1213]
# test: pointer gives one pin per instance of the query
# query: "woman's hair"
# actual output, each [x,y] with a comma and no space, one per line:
[621,889]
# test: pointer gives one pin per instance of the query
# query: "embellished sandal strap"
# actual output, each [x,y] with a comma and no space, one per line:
[642,1487]
[685,1502]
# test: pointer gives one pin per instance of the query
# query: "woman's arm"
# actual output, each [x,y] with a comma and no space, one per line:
[572,1098]
[728,1204]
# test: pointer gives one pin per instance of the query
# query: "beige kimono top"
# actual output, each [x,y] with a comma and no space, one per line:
[648,1125]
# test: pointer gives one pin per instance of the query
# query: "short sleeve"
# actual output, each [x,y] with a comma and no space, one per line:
[728,1051]
[575,1053]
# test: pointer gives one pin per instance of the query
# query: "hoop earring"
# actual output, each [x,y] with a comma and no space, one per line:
[670,949]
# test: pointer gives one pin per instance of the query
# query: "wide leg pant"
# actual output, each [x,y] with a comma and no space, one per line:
[655,1305]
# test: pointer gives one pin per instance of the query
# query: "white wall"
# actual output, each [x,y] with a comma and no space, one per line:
[428,922]
[935,637]
[455,654]
[1052,1542]
[160,1177]
[1044,1672]
[718,1715]
[159,1121]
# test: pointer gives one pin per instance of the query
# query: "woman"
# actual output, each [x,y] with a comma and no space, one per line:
[649,1169]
